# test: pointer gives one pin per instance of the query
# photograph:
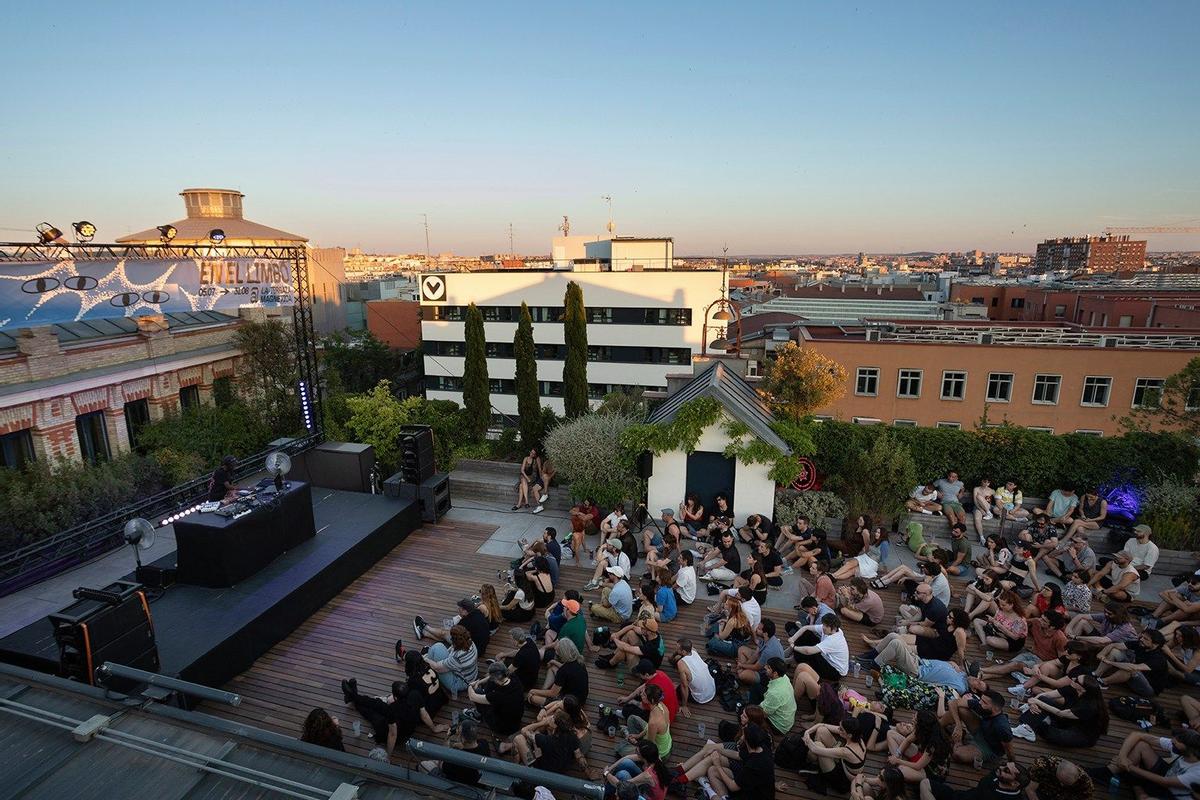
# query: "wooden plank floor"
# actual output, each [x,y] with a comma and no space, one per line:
[354,635]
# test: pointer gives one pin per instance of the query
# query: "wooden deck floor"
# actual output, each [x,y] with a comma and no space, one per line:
[354,635]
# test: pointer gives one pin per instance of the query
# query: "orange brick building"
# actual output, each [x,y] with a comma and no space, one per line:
[1056,377]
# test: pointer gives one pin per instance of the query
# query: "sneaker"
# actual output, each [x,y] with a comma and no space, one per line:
[987,515]
[419,626]
[788,570]
[923,511]
[1019,676]
[543,498]
[1018,691]
[591,586]
[539,509]
[1025,732]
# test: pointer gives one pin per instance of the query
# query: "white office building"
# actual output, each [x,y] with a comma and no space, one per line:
[642,325]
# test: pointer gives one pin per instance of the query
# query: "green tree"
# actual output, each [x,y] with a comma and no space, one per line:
[876,481]
[476,395]
[361,360]
[631,403]
[209,432]
[575,387]
[587,453]
[270,349]
[529,409]
[1176,407]
[799,381]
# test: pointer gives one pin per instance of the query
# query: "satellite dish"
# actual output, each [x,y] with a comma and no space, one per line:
[139,533]
[278,464]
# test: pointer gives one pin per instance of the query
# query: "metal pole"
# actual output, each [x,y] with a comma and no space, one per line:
[108,669]
[497,766]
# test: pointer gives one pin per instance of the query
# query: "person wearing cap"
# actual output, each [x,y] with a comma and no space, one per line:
[1119,578]
[499,699]
[610,554]
[636,642]
[616,599]
[469,616]
[574,627]
[1073,555]
[221,487]
[1143,551]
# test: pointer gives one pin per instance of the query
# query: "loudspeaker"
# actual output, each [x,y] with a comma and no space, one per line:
[435,497]
[341,465]
[645,464]
[416,453]
[153,577]
[391,487]
[109,624]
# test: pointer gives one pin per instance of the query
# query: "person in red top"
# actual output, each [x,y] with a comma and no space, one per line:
[1048,641]
[649,675]
[1048,598]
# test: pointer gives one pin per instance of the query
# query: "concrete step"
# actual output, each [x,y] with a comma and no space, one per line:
[937,526]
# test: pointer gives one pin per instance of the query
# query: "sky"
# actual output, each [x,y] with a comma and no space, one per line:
[797,127]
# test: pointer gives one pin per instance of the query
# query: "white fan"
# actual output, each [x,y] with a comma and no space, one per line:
[140,534]
[278,464]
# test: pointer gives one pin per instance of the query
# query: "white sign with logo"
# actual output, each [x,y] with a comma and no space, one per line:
[433,288]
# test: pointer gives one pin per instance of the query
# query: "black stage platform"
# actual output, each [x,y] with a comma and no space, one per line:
[210,635]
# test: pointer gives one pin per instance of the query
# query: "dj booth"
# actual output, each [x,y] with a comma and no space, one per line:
[217,550]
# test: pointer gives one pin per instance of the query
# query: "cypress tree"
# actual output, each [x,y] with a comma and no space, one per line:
[476,396]
[575,388]
[529,410]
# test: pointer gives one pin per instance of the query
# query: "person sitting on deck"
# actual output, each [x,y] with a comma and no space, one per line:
[1074,715]
[1092,511]
[1125,583]
[723,565]
[757,528]
[457,665]
[467,740]
[980,728]
[1061,507]
[1104,628]
[1049,644]
[745,774]
[950,494]
[1009,501]
[1072,555]
[691,514]
[1156,766]
[499,700]
[608,526]
[728,629]
[616,599]
[517,605]
[610,554]
[469,617]
[798,543]
[720,516]
[924,499]
[1140,665]
[822,654]
[858,602]
[752,658]
[1008,781]
[1181,605]
[984,497]
[669,535]
[566,674]
[412,702]
[903,652]
[1007,628]
[637,642]
[921,749]
[837,751]
[322,730]
[585,521]
[696,682]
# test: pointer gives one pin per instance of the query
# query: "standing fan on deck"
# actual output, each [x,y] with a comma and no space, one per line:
[278,464]
[139,533]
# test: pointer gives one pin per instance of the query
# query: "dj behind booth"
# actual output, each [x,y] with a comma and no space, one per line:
[232,538]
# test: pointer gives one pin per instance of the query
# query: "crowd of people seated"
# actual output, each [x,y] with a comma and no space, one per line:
[1060,629]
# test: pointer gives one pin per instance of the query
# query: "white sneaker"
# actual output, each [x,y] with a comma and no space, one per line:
[986,514]
[1025,732]
[539,509]
[926,511]
[1018,691]
[543,498]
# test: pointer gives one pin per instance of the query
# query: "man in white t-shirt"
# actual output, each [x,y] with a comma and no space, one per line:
[696,683]
[608,526]
[1168,764]
[685,578]
[924,499]
[822,653]
[1143,551]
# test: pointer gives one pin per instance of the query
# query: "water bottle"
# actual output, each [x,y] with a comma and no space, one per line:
[989,655]
[855,668]
[701,730]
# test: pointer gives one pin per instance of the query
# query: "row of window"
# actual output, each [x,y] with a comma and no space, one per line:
[595,316]
[912,423]
[1097,389]
[16,448]
[596,391]
[558,352]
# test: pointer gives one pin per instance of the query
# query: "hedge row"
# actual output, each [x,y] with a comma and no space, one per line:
[1039,462]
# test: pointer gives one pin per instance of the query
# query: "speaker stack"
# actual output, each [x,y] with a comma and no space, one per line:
[416,453]
[108,624]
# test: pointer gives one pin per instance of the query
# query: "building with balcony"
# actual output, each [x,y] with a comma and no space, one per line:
[1091,254]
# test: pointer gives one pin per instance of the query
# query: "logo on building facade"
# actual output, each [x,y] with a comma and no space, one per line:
[433,288]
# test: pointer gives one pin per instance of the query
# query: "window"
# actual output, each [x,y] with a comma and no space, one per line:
[1125,321]
[954,385]
[449,313]
[1147,393]
[1041,429]
[1060,310]
[904,423]
[1193,399]
[995,302]
[867,382]
[753,369]
[1017,302]
[1045,389]
[16,449]
[909,383]
[1095,391]
[600,316]
[1090,432]
[93,437]
[189,397]
[999,388]
[867,421]
[443,383]
[821,418]
[953,425]
[137,416]
[223,391]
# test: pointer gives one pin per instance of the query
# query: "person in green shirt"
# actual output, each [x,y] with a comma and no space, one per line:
[960,549]
[575,628]
[779,702]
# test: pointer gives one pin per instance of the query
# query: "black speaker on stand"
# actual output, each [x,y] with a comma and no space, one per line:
[416,453]
[108,624]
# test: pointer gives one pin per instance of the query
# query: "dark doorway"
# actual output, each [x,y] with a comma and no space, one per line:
[710,474]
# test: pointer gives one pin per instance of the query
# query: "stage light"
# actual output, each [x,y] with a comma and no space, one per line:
[84,230]
[216,236]
[47,233]
[722,315]
[304,406]
[166,233]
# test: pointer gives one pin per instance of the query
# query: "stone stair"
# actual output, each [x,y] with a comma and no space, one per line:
[937,527]
[496,482]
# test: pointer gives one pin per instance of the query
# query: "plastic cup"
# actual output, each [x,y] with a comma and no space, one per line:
[701,731]
[357,726]
[990,655]
[870,680]
[978,762]
[855,668]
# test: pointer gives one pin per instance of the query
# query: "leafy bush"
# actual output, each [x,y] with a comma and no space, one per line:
[587,454]
[43,499]
[1169,507]
[207,434]
[875,481]
[817,506]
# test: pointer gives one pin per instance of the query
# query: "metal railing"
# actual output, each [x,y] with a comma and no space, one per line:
[55,554]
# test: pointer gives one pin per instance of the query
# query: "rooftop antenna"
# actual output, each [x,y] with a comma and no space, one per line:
[426,218]
[566,226]
[512,252]
[611,227]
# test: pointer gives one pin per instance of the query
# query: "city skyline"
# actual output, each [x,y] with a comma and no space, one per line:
[775,129]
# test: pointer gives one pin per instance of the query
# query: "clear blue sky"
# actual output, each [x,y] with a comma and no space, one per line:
[791,127]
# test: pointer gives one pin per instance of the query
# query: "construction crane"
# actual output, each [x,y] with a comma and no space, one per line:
[1154,229]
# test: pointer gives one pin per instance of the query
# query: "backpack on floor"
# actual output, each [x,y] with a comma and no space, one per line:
[1135,709]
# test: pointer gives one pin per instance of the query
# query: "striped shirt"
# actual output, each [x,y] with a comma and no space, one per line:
[463,663]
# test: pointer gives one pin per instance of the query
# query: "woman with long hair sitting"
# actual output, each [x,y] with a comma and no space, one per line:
[489,604]
[887,785]
[518,605]
[645,769]
[980,596]
[838,753]
[322,730]
[920,750]
[1006,629]
[1074,715]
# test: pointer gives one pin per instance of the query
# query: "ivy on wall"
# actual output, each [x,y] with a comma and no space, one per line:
[682,433]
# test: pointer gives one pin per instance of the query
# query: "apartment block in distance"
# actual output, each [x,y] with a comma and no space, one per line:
[1091,253]
[1056,377]
[642,325]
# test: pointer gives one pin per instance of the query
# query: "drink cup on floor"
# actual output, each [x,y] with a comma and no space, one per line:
[870,681]
[989,655]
